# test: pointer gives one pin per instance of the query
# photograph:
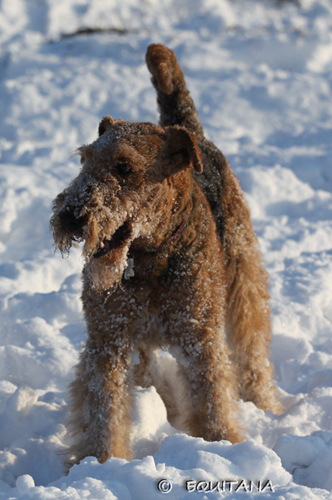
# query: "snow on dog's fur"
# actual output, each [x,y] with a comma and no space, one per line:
[167,235]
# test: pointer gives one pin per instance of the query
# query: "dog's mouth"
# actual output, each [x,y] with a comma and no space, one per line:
[119,239]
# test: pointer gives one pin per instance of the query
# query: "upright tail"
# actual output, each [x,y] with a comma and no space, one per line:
[175,104]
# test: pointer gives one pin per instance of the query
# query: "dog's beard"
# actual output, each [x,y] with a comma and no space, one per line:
[97,247]
[106,272]
[106,266]
[63,240]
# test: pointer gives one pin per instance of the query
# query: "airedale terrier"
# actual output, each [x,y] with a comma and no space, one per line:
[172,262]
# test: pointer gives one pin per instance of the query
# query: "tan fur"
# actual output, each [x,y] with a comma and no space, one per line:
[198,290]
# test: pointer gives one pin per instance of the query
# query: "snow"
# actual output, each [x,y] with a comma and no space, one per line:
[261,75]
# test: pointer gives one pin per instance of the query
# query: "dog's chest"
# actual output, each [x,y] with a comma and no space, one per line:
[141,305]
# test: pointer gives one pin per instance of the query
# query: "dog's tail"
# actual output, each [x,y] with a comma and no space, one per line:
[175,104]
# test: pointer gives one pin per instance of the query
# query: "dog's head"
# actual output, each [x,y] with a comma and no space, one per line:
[126,190]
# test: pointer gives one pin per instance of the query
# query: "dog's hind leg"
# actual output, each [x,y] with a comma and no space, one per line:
[248,310]
[175,104]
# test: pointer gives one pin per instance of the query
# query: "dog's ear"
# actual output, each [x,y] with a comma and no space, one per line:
[105,124]
[179,151]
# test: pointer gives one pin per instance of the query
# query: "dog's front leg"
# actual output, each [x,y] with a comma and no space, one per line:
[210,386]
[195,330]
[99,420]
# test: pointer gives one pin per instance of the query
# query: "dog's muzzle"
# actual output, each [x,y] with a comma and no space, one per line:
[70,222]
[75,226]
[119,238]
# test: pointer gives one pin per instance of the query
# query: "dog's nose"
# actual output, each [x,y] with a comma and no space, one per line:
[70,222]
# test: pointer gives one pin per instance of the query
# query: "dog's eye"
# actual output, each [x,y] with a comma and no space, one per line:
[123,168]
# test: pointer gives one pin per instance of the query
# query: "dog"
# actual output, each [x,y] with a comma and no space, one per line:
[171,262]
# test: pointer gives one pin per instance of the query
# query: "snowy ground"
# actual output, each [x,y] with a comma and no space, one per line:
[261,76]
